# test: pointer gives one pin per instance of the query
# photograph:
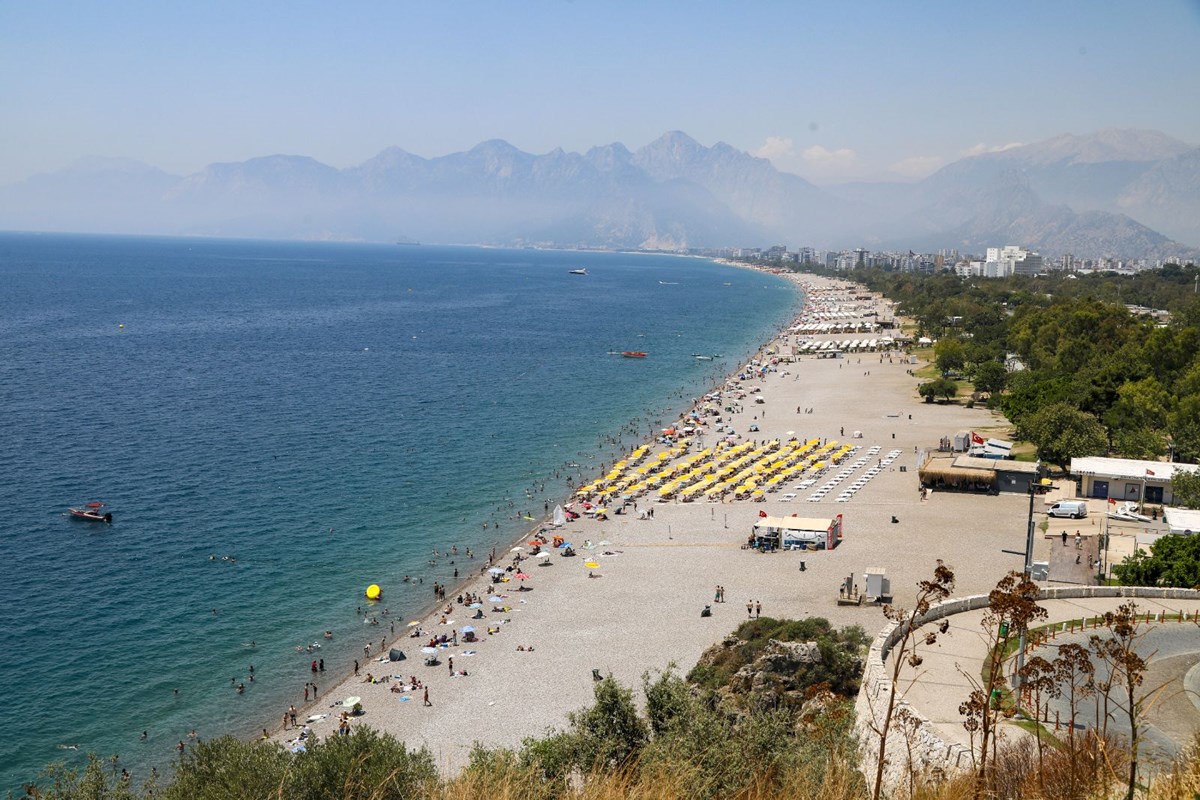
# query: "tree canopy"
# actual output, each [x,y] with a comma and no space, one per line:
[1172,561]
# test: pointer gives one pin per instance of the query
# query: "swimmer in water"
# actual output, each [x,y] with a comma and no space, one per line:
[68,747]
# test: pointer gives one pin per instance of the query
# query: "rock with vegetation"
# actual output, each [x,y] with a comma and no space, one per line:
[770,663]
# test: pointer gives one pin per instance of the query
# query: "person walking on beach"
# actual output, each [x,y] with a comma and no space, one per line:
[356,666]
[749,611]
[306,692]
[758,609]
[427,703]
[1064,538]
[292,714]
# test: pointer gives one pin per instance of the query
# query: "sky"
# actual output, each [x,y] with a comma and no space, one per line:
[832,91]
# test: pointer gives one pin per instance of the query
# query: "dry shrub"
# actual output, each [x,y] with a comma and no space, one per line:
[1182,782]
[659,780]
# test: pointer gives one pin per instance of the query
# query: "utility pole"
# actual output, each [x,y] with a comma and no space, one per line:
[1102,556]
[1028,576]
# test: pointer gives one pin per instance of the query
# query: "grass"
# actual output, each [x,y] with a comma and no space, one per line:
[928,372]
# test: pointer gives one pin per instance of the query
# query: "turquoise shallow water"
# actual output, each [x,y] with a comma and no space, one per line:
[325,414]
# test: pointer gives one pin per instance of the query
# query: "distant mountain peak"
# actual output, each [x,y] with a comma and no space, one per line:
[1111,144]
[493,147]
[676,145]
[1058,194]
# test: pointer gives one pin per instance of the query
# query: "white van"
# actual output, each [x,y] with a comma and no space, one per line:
[1075,509]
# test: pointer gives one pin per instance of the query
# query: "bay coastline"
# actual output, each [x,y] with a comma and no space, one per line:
[332,548]
[642,614]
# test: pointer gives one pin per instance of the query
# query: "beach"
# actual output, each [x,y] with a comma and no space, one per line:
[639,610]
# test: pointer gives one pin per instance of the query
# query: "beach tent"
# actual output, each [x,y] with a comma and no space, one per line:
[396,655]
[560,516]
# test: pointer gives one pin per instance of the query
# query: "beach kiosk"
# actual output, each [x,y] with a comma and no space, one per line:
[795,533]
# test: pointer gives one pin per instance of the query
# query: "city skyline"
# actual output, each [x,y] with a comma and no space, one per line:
[831,93]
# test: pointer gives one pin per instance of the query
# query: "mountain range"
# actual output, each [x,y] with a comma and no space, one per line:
[1119,193]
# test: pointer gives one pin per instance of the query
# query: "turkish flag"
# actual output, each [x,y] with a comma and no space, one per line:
[976,438]
[1112,501]
[1149,472]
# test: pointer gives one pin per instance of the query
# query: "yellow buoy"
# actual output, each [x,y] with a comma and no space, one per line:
[374,592]
[121,325]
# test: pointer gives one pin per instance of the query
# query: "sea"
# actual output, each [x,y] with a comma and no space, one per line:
[274,426]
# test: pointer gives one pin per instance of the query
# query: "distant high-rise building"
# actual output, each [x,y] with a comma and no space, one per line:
[1030,264]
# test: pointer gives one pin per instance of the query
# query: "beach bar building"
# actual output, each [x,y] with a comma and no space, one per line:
[972,474]
[792,533]
[1126,478]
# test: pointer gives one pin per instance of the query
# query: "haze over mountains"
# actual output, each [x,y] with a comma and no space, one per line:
[1119,193]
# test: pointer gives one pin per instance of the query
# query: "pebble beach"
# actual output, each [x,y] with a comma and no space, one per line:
[639,609]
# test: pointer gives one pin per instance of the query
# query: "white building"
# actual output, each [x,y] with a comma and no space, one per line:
[1126,478]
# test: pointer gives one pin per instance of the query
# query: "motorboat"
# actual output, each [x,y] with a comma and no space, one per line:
[633,354]
[92,512]
[1128,513]
[580,271]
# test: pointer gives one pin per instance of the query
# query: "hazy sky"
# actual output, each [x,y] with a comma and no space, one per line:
[831,91]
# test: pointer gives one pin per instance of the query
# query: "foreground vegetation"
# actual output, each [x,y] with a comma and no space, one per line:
[765,738]
[757,718]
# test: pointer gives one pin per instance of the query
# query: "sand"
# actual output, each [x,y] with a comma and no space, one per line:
[643,614]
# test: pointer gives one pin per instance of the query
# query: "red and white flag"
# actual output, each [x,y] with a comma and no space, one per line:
[1149,472]
[976,438]
[1112,501]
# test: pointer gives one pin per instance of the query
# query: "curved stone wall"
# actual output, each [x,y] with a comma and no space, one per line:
[930,754]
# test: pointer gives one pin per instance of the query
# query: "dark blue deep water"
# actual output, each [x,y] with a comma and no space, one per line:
[325,414]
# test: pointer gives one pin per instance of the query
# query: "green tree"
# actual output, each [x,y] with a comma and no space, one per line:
[949,355]
[98,781]
[940,387]
[1183,423]
[364,764]
[225,767]
[1184,426]
[1138,418]
[1062,432]
[1141,443]
[610,734]
[1172,561]
[1185,488]
[990,377]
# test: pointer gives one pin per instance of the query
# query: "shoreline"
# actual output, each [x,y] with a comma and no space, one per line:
[655,573]
[431,609]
